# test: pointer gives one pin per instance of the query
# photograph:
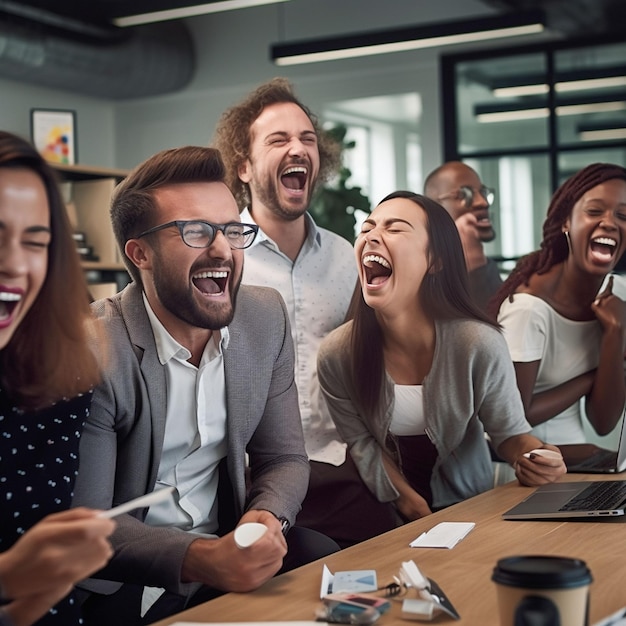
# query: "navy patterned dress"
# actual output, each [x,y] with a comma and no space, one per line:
[38,467]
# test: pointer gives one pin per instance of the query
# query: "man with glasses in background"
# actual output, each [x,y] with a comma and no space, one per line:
[198,374]
[458,188]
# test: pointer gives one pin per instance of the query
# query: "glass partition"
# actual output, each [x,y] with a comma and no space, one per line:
[590,90]
[493,111]
[528,118]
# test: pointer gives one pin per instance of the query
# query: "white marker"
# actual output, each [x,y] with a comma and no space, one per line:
[249,533]
[138,503]
[548,454]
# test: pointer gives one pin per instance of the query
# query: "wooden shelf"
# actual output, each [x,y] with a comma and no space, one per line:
[87,191]
[98,266]
[88,172]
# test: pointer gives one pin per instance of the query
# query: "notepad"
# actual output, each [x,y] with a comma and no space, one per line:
[443,535]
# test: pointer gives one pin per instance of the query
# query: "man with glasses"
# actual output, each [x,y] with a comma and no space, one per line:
[458,188]
[197,378]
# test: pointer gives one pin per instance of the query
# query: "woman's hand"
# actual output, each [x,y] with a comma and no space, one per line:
[44,564]
[412,506]
[409,503]
[604,404]
[533,469]
[610,311]
[55,553]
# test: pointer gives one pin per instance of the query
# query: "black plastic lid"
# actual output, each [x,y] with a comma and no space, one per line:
[541,572]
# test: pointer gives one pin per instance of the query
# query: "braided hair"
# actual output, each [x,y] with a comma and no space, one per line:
[554,248]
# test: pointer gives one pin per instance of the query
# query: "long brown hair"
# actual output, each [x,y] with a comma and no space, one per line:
[553,248]
[48,356]
[444,294]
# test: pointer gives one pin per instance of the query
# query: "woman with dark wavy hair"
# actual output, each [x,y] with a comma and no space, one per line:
[566,341]
[47,372]
[419,374]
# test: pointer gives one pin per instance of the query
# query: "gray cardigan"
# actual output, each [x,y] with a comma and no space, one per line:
[122,442]
[471,383]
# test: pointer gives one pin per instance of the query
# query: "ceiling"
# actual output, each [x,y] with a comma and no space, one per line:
[75,44]
[97,12]
[572,17]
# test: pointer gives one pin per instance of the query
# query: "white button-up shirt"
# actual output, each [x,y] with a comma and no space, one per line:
[317,289]
[195,432]
[195,436]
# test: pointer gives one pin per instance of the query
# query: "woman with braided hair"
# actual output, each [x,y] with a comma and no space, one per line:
[567,338]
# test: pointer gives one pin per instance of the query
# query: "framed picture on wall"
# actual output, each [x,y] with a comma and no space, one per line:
[54,134]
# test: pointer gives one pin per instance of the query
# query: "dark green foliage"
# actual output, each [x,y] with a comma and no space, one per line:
[334,203]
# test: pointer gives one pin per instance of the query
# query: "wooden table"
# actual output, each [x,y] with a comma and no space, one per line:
[463,572]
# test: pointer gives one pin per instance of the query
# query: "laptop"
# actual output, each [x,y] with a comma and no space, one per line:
[590,459]
[600,498]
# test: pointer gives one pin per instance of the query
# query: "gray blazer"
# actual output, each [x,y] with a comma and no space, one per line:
[122,441]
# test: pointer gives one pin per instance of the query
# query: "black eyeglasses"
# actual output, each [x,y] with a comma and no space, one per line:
[201,234]
[466,195]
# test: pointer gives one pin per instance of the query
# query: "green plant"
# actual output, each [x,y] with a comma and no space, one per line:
[334,203]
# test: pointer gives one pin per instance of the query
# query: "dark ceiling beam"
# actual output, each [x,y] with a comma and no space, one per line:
[573,18]
[27,14]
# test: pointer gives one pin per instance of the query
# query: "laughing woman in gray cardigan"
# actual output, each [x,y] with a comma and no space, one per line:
[418,374]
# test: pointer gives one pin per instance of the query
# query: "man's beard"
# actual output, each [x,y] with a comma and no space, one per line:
[268,196]
[180,301]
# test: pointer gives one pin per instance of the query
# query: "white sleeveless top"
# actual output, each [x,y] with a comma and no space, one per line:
[408,411]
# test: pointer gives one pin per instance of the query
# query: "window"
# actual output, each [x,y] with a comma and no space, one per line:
[385,129]
[528,118]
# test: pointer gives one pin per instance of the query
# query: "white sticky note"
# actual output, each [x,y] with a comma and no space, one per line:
[443,535]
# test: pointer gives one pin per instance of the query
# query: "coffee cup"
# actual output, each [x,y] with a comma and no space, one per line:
[547,590]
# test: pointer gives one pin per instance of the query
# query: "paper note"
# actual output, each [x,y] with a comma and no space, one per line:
[357,581]
[443,535]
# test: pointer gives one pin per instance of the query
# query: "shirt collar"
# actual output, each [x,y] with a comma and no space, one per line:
[313,235]
[168,348]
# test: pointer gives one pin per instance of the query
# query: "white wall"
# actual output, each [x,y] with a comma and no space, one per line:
[233,57]
[95,118]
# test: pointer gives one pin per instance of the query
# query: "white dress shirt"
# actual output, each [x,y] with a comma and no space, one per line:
[195,436]
[317,289]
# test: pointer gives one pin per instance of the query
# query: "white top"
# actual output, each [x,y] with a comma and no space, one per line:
[317,289]
[407,417]
[534,331]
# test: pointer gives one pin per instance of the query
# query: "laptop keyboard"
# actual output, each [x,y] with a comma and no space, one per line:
[599,496]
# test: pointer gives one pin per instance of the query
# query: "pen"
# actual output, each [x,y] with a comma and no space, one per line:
[137,503]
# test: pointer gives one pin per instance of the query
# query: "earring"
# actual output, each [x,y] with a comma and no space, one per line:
[569,243]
